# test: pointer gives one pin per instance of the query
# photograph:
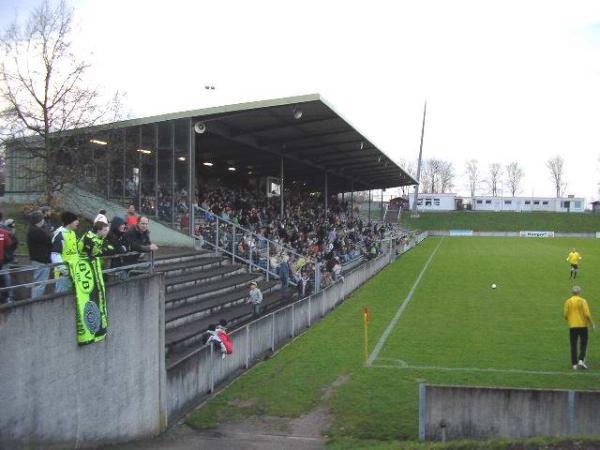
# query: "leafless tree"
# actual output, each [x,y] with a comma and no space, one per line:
[446,178]
[472,171]
[409,168]
[514,176]
[556,167]
[44,95]
[495,172]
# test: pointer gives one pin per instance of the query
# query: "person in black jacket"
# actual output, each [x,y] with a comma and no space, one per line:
[116,238]
[39,244]
[138,239]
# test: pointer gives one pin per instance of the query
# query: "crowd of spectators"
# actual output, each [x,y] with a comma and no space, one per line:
[311,244]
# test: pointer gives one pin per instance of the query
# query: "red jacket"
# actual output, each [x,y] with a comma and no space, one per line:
[5,242]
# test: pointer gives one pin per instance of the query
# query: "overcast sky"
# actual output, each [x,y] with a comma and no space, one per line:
[506,80]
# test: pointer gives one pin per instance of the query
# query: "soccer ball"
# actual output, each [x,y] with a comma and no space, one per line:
[493,285]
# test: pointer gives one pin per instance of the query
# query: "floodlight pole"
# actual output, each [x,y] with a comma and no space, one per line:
[414,212]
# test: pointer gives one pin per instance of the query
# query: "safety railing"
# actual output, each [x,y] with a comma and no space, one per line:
[7,274]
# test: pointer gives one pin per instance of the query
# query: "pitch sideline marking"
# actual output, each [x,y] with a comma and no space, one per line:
[403,365]
[405,303]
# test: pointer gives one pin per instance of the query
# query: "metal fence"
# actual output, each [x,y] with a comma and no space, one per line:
[190,379]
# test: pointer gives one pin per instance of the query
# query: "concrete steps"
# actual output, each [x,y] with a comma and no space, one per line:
[201,277]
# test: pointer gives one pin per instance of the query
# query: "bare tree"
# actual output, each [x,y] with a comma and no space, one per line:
[410,169]
[44,95]
[429,175]
[556,167]
[446,177]
[495,170]
[472,171]
[514,176]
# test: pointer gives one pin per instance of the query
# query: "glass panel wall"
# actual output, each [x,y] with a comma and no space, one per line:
[165,171]
[181,178]
[147,154]
[116,154]
[132,167]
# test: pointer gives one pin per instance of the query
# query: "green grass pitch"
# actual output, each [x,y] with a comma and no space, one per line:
[454,330]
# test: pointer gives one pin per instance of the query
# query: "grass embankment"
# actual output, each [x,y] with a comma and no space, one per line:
[455,320]
[504,221]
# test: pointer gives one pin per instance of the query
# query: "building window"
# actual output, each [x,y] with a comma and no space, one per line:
[537,202]
[488,202]
[508,202]
[479,202]
[427,202]
[545,203]
[577,205]
[528,202]
[420,202]
[436,202]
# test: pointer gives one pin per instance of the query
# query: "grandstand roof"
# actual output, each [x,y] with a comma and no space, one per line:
[310,135]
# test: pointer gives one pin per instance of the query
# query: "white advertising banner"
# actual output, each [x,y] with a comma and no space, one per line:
[461,232]
[538,234]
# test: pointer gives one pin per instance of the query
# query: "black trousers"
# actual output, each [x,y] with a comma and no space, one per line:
[574,335]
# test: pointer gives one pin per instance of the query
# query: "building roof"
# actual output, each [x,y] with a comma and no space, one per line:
[310,135]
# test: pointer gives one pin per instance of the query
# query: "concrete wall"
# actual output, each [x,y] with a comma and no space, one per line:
[54,394]
[557,234]
[190,380]
[463,412]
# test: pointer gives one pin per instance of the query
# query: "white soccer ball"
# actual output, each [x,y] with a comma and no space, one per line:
[493,285]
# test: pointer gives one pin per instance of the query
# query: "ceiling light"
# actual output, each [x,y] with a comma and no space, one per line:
[362,145]
[181,158]
[98,142]
[297,113]
[208,164]
[200,127]
[231,169]
[250,172]
[144,151]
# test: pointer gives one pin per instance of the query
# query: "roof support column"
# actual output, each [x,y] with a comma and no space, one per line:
[369,205]
[192,175]
[281,191]
[352,198]
[326,194]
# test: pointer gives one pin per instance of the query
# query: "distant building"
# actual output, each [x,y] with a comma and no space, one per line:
[596,206]
[527,204]
[436,202]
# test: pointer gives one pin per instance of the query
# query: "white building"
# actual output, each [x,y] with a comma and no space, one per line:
[435,202]
[526,204]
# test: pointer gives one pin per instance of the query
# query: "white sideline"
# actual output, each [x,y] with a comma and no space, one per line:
[403,366]
[396,318]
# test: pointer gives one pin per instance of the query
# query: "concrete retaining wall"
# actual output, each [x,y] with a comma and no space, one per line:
[54,394]
[463,412]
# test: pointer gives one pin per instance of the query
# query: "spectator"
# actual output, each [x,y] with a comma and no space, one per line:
[101,217]
[132,218]
[64,249]
[93,243]
[255,297]
[39,244]
[9,257]
[5,244]
[213,337]
[138,238]
[116,238]
[49,224]
[284,275]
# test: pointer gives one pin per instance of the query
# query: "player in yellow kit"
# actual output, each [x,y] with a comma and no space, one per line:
[573,259]
[578,316]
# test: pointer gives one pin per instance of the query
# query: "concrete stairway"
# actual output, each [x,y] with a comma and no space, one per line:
[202,289]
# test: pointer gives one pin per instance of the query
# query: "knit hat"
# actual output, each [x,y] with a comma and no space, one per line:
[252,283]
[36,217]
[68,217]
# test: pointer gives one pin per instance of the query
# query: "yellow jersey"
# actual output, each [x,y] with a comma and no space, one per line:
[574,258]
[577,312]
